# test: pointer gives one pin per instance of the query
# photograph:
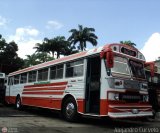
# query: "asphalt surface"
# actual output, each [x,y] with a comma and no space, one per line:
[35,120]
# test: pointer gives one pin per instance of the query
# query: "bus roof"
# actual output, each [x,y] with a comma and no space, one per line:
[84,54]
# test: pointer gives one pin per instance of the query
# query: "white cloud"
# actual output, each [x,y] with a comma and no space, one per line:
[26,48]
[3,21]
[53,24]
[24,33]
[27,31]
[26,40]
[151,49]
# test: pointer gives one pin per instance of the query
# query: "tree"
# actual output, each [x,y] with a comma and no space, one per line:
[128,43]
[9,60]
[30,60]
[69,49]
[82,36]
[37,58]
[2,43]
[58,45]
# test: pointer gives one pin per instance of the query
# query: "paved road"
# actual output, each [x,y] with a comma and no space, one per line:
[36,120]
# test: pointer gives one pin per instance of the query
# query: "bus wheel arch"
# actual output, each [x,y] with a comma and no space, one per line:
[18,102]
[69,108]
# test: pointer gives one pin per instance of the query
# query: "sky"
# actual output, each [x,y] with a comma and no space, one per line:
[28,22]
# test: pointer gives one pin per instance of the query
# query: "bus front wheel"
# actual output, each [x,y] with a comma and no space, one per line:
[70,109]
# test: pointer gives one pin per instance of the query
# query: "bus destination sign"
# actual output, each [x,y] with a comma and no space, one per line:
[128,52]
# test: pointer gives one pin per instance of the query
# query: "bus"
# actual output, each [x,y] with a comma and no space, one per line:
[153,77]
[2,87]
[105,81]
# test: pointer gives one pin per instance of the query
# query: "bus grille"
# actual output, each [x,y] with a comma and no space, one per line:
[131,84]
[130,98]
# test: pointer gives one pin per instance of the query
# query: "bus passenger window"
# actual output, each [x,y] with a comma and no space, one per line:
[16,79]
[74,69]
[53,72]
[43,74]
[23,78]
[10,81]
[56,72]
[59,72]
[32,76]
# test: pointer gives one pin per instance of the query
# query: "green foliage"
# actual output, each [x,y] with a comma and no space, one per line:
[9,60]
[37,58]
[128,43]
[58,45]
[82,36]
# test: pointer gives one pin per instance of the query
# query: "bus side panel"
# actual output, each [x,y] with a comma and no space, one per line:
[42,102]
[51,95]
[44,95]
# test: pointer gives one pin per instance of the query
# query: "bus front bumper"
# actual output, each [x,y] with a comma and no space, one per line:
[129,111]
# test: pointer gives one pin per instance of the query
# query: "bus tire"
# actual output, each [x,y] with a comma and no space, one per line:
[70,110]
[18,104]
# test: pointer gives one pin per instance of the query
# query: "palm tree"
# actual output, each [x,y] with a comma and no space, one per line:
[69,49]
[37,58]
[82,35]
[128,43]
[55,45]
[58,45]
[44,47]
[31,60]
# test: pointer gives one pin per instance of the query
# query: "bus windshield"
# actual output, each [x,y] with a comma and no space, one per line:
[120,67]
[137,69]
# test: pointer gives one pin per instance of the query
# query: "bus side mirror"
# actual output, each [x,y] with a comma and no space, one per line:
[109,59]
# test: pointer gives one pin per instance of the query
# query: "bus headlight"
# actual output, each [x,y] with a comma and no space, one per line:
[144,86]
[116,96]
[119,84]
[145,98]
[113,96]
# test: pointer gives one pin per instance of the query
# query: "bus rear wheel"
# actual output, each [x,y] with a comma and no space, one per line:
[70,110]
[18,103]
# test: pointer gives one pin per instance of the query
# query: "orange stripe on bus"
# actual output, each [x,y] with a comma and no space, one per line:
[53,88]
[45,93]
[50,84]
[42,102]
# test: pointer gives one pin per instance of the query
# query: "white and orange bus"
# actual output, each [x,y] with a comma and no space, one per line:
[105,81]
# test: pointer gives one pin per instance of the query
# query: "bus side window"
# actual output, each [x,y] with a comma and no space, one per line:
[59,71]
[23,78]
[74,69]
[56,72]
[43,74]
[16,79]
[10,81]
[32,76]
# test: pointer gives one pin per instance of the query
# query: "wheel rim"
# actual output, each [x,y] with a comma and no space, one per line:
[70,109]
[18,103]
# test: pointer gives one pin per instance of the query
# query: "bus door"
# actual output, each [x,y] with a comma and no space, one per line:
[93,85]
